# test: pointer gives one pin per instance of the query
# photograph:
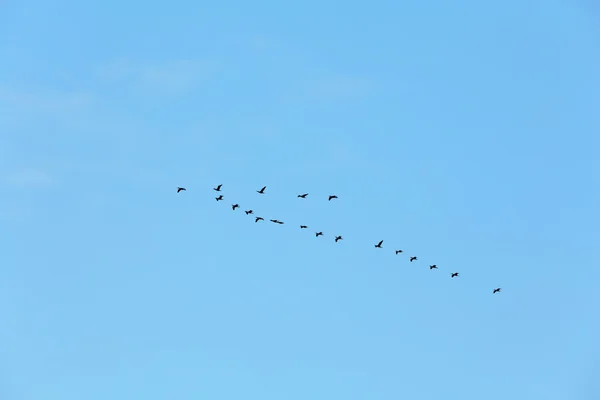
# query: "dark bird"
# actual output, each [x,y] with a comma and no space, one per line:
[303,226]
[413,259]
[259,219]
[303,196]
[319,234]
[497,290]
[378,245]
[249,212]
[276,221]
[261,191]
[218,188]
[455,274]
[398,251]
[234,206]
[333,196]
[433,266]
[179,189]
[338,238]
[219,198]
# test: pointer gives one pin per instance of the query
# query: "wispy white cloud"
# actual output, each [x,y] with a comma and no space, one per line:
[305,76]
[41,101]
[19,107]
[342,86]
[262,42]
[30,177]
[172,76]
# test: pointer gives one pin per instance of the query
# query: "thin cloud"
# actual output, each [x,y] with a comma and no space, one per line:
[30,177]
[262,42]
[343,86]
[22,107]
[43,101]
[173,76]
[329,88]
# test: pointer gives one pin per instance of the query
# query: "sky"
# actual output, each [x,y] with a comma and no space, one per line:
[465,133]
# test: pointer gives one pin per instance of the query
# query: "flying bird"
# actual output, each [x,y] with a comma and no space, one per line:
[303,196]
[261,191]
[276,221]
[497,290]
[454,274]
[234,206]
[398,251]
[433,266]
[413,259]
[218,188]
[338,238]
[303,226]
[333,196]
[179,189]
[249,212]
[258,219]
[378,245]
[219,198]
[319,234]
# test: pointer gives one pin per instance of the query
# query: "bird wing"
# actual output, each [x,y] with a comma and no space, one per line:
[380,243]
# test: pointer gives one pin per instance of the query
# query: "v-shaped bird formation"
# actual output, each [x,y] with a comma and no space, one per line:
[337,238]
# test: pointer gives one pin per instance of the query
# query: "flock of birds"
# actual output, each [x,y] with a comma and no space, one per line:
[379,245]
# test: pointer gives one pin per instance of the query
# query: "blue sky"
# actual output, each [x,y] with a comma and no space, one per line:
[465,133]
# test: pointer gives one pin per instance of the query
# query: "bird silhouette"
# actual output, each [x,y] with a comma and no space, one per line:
[317,234]
[179,189]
